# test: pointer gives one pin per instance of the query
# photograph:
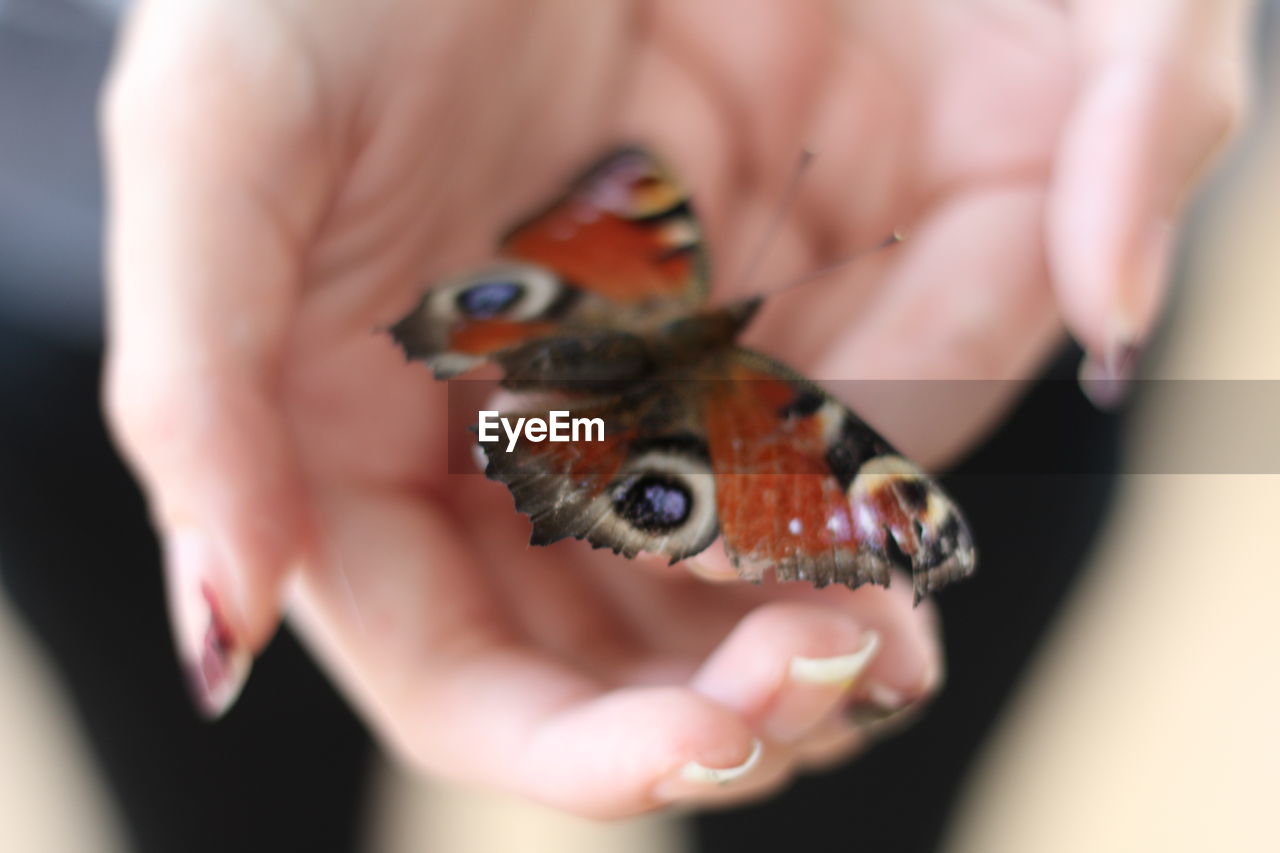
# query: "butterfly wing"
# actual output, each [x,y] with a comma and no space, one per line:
[588,290]
[646,485]
[804,487]
[744,448]
[620,251]
[625,230]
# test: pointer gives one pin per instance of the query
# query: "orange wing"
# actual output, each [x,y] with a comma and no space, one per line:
[806,488]
[625,230]
[739,446]
[620,251]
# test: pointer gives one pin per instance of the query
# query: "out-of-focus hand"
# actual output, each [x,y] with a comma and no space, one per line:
[286,176]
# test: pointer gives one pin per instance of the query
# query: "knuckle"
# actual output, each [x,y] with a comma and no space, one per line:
[141,413]
[159,415]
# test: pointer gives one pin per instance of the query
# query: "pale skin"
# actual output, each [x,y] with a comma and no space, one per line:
[286,176]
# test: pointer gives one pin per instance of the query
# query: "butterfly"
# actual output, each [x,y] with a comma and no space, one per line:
[600,301]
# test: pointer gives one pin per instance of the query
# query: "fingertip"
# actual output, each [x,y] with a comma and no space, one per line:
[230,508]
[909,663]
[636,749]
[755,660]
[1135,146]
[208,622]
[700,774]
[788,665]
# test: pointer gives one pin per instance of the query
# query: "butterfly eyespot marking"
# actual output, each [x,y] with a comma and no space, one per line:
[906,486]
[606,285]
[895,476]
[897,556]
[653,502]
[512,292]
[913,493]
[489,298]
[665,498]
[913,521]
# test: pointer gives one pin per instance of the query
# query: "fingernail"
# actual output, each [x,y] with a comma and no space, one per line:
[703,775]
[879,704]
[881,708]
[843,669]
[1107,381]
[1137,298]
[816,688]
[215,662]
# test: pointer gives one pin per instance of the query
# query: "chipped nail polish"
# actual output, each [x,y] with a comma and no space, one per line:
[843,669]
[216,663]
[219,672]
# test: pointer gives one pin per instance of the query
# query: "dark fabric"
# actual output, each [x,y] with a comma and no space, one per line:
[285,770]
[1033,532]
[53,54]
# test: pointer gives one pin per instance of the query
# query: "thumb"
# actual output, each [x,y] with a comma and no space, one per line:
[1162,90]
[203,130]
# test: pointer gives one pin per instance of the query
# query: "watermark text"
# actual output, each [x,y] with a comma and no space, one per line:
[558,426]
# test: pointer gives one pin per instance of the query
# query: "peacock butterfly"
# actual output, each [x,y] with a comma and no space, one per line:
[600,300]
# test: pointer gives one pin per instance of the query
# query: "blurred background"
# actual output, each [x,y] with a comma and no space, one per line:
[1149,721]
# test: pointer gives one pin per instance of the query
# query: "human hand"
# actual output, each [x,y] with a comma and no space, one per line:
[286,177]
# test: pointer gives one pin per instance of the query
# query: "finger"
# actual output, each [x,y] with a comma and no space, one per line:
[762,65]
[786,667]
[683,623]
[790,664]
[852,728]
[908,665]
[203,280]
[1163,90]
[401,613]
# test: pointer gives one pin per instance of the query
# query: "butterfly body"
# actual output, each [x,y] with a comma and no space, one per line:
[586,358]
[599,301]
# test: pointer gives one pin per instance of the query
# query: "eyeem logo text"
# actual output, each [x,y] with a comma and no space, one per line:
[560,427]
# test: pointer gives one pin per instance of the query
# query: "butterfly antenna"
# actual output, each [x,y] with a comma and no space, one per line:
[775,222]
[892,240]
